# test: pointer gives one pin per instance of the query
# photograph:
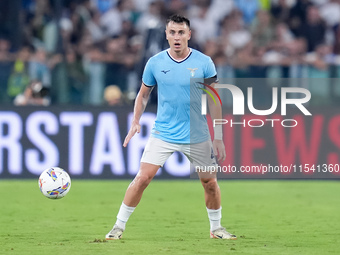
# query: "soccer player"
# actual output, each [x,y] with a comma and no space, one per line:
[171,71]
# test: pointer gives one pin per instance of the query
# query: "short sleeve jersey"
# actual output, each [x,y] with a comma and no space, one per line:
[179,118]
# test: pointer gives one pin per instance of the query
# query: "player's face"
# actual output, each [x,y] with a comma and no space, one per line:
[178,35]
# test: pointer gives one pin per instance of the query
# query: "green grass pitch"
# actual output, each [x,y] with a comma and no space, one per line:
[269,217]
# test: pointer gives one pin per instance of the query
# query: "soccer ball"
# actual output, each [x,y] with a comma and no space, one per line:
[54,183]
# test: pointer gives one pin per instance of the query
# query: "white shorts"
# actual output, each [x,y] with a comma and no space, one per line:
[157,151]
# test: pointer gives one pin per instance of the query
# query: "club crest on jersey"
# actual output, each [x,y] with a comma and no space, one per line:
[192,71]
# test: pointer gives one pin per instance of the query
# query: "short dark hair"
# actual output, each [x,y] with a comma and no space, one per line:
[178,19]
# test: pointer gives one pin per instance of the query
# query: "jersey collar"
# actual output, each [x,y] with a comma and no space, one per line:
[168,52]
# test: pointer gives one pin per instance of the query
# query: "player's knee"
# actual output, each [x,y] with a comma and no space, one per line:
[210,185]
[142,181]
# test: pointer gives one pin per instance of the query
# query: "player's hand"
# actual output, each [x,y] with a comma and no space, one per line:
[219,150]
[135,128]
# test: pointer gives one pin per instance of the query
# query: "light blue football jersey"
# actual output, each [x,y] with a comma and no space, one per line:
[179,118]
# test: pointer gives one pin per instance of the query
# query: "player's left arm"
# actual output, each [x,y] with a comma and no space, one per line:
[216,113]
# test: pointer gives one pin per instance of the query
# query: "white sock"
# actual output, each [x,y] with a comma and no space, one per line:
[123,215]
[215,216]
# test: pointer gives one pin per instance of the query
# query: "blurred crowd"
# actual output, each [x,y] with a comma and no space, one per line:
[94,51]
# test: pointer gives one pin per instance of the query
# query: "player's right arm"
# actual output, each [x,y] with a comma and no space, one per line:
[140,104]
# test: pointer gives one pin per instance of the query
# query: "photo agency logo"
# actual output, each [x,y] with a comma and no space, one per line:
[238,106]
